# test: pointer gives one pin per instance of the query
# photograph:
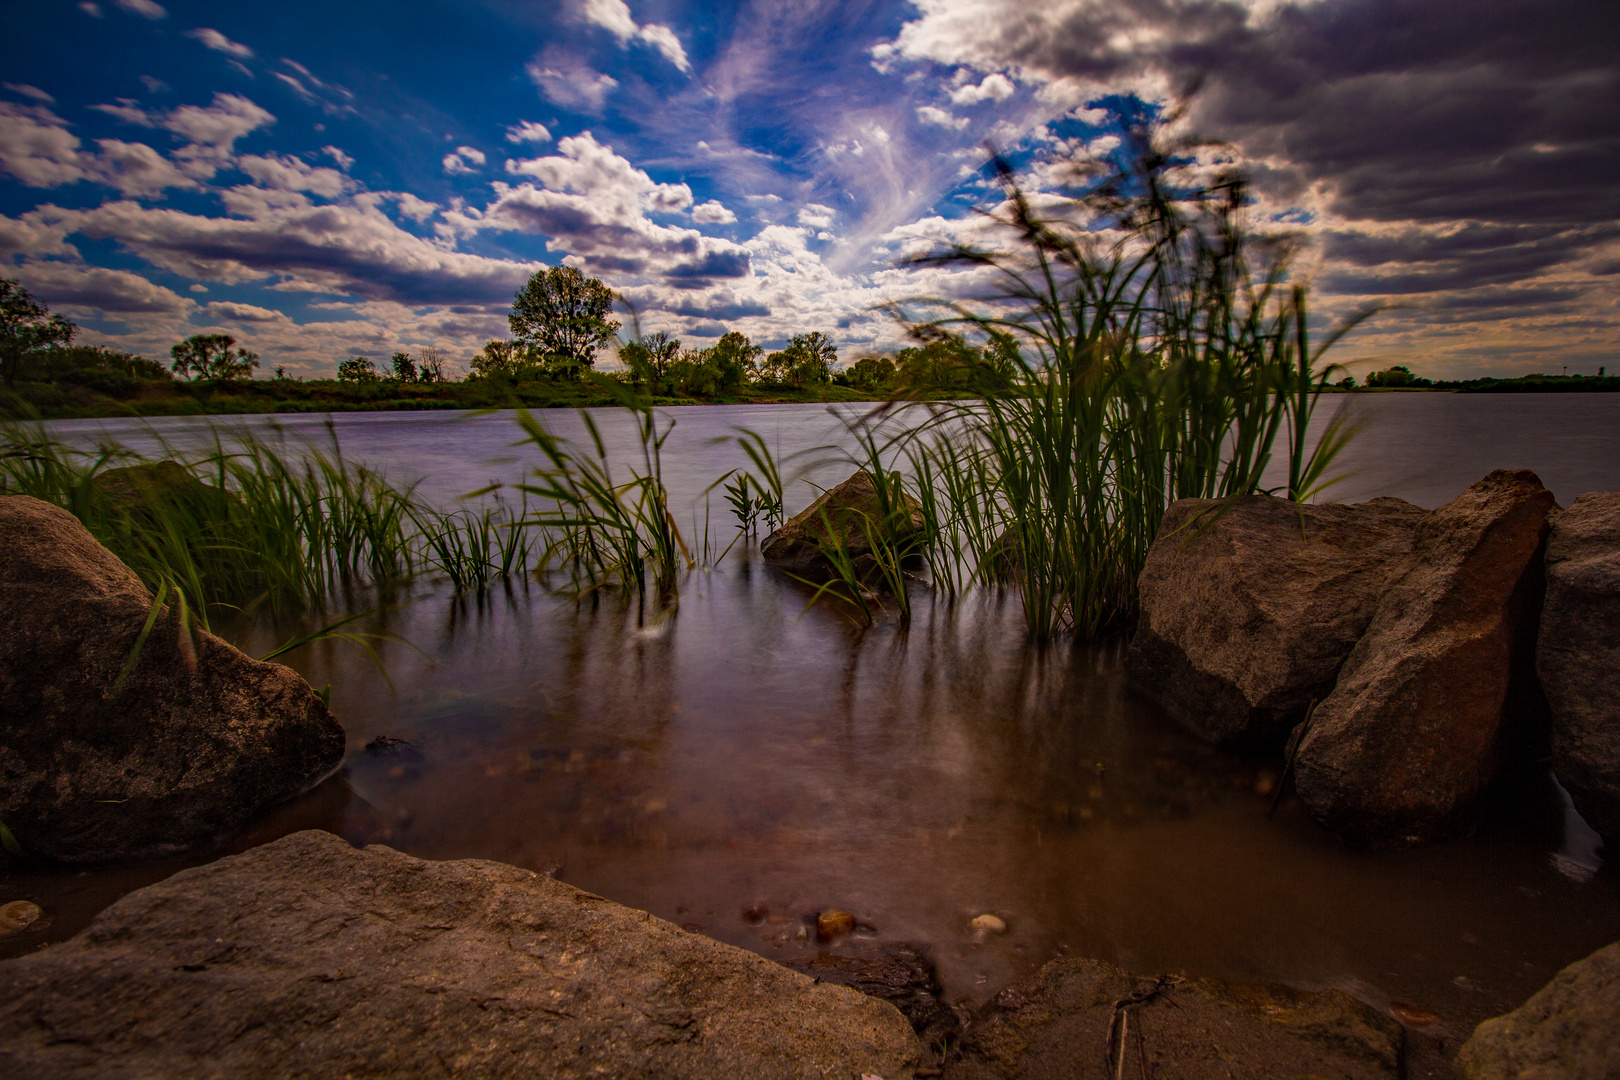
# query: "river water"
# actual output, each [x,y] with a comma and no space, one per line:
[748,760]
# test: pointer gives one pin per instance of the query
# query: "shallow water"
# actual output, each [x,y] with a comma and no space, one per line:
[748,753]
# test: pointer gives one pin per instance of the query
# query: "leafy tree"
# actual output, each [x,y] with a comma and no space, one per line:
[212,356]
[562,316]
[404,367]
[26,325]
[736,358]
[356,369]
[809,359]
[1399,375]
[872,373]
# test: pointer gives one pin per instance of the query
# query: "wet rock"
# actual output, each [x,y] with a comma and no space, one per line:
[145,488]
[1246,617]
[1578,656]
[834,924]
[900,974]
[988,924]
[1409,736]
[1569,1030]
[196,740]
[385,747]
[850,508]
[17,916]
[306,957]
[1058,1023]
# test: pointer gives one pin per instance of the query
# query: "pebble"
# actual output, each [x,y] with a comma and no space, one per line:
[833,924]
[1412,1016]
[988,924]
[17,916]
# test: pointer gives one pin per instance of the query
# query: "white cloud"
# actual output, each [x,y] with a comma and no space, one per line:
[154,86]
[245,313]
[816,216]
[565,81]
[418,210]
[213,131]
[220,43]
[91,8]
[136,169]
[528,131]
[929,114]
[286,173]
[97,290]
[37,148]
[712,213]
[144,8]
[30,91]
[344,161]
[472,154]
[129,112]
[198,287]
[459,164]
[614,16]
[995,87]
[329,97]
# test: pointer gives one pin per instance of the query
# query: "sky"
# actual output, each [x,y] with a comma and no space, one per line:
[350,177]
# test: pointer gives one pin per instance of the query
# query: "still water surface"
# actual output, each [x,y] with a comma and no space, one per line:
[749,753]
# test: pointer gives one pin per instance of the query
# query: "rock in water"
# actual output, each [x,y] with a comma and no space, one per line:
[177,757]
[1408,737]
[305,957]
[1246,617]
[1570,1029]
[1578,656]
[1057,1024]
[851,508]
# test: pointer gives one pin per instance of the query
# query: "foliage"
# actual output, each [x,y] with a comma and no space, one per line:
[404,367]
[26,325]
[561,316]
[357,369]
[806,361]
[212,357]
[1397,376]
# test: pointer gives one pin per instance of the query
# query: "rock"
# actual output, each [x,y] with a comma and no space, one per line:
[191,745]
[1057,1025]
[140,488]
[1408,738]
[1569,1030]
[1578,656]
[850,507]
[988,924]
[17,916]
[1245,623]
[834,924]
[900,974]
[306,957]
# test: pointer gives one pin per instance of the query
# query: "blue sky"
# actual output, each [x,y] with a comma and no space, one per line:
[323,180]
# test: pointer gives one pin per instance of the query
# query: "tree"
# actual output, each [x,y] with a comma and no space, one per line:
[736,357]
[430,365]
[212,356]
[404,367]
[1399,375]
[872,373]
[810,359]
[356,369]
[26,325]
[562,315]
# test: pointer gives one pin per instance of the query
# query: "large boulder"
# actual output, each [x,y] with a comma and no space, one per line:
[1578,655]
[1409,736]
[193,741]
[1060,1022]
[852,509]
[306,957]
[1250,607]
[1570,1029]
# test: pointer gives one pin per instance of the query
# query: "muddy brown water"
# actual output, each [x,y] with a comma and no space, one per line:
[744,762]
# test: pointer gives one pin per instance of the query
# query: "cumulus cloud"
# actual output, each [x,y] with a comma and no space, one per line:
[995,87]
[135,169]
[565,80]
[243,313]
[930,114]
[37,148]
[287,173]
[344,161]
[213,131]
[712,213]
[614,16]
[97,290]
[462,163]
[220,43]
[528,131]
[816,216]
[129,111]
[147,9]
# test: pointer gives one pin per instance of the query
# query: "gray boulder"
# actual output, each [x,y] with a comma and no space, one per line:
[1248,614]
[851,508]
[1578,655]
[308,958]
[195,741]
[1569,1030]
[1058,1024]
[1409,736]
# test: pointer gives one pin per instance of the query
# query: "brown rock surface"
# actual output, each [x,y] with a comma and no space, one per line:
[1246,617]
[1408,738]
[308,958]
[1578,656]
[1056,1027]
[850,508]
[180,755]
[1569,1030]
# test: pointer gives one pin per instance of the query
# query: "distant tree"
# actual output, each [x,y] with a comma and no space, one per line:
[212,357]
[872,373]
[736,358]
[26,325]
[404,367]
[496,358]
[1399,375]
[562,315]
[281,373]
[356,369]
[1348,382]
[812,357]
[431,364]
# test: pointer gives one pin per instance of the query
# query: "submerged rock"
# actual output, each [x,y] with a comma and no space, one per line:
[306,957]
[162,484]
[1248,614]
[1062,1021]
[851,508]
[1569,1030]
[1408,738]
[900,974]
[1578,656]
[195,741]
[834,924]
